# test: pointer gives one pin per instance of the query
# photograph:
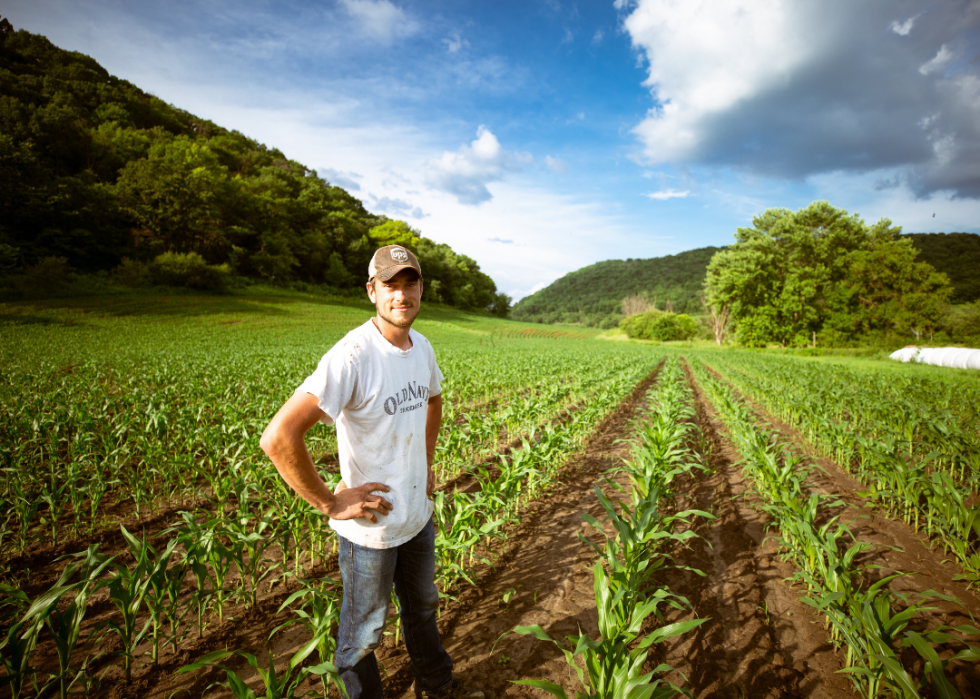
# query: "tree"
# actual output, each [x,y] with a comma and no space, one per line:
[718,316]
[795,274]
[177,195]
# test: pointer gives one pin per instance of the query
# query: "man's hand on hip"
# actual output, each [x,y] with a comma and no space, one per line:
[351,503]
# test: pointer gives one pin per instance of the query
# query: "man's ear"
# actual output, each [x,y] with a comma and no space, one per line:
[370,291]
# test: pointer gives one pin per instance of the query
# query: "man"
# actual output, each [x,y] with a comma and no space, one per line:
[381,386]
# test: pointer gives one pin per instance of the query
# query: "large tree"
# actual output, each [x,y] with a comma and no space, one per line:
[796,276]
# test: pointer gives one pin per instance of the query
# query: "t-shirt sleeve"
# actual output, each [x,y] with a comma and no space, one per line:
[435,375]
[333,383]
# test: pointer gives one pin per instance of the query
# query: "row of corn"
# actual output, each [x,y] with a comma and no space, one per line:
[868,622]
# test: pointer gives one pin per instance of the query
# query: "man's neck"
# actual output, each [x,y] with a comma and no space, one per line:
[398,337]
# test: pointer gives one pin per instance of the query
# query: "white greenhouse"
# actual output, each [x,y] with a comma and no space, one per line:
[955,357]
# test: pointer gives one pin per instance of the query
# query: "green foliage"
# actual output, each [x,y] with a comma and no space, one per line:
[187,269]
[962,323]
[956,254]
[395,233]
[133,273]
[593,295]
[659,325]
[94,170]
[823,272]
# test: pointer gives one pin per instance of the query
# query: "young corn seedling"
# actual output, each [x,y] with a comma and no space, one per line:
[614,670]
[127,591]
[157,580]
[319,614]
[248,547]
[65,626]
[18,646]
[276,686]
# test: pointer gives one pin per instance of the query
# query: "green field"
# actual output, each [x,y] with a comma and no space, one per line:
[129,428]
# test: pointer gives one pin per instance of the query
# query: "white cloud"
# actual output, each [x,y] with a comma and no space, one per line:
[793,88]
[942,57]
[556,164]
[455,43]
[665,194]
[568,37]
[399,207]
[505,241]
[381,19]
[466,172]
[598,36]
[701,63]
[904,28]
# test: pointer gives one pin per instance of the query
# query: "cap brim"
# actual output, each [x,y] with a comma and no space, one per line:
[386,274]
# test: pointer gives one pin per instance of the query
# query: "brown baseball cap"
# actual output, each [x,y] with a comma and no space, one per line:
[390,260]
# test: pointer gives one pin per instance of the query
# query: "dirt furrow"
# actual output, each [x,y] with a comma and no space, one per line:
[761,641]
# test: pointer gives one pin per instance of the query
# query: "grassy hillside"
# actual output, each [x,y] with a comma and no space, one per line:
[143,326]
[591,296]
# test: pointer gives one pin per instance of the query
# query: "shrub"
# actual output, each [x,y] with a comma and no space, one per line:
[132,273]
[660,325]
[189,270]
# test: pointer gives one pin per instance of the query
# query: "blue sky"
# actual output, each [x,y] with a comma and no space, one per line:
[544,135]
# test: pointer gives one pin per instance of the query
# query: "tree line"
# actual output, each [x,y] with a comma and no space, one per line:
[96,174]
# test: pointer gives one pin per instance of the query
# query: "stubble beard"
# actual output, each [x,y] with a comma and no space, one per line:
[402,322]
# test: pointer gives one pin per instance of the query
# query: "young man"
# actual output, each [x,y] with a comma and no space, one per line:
[381,386]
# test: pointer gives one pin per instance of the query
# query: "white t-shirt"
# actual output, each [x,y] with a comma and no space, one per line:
[377,396]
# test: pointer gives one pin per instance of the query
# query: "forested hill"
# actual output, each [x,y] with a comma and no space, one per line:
[94,170]
[956,254]
[593,295]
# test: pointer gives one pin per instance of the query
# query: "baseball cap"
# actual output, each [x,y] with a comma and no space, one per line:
[390,260]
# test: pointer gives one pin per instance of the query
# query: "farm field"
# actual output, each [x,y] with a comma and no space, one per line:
[733,520]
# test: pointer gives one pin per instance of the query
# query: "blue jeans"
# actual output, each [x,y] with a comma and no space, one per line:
[368,575]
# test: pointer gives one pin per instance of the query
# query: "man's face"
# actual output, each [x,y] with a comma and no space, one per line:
[398,299]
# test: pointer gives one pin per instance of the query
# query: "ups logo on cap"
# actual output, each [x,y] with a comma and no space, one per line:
[399,255]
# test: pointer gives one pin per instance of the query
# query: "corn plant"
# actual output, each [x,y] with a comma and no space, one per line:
[20,642]
[128,589]
[158,581]
[864,620]
[276,686]
[319,614]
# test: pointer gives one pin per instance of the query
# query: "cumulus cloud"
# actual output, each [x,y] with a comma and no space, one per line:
[556,164]
[792,89]
[399,207]
[347,180]
[665,194]
[598,37]
[466,172]
[381,19]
